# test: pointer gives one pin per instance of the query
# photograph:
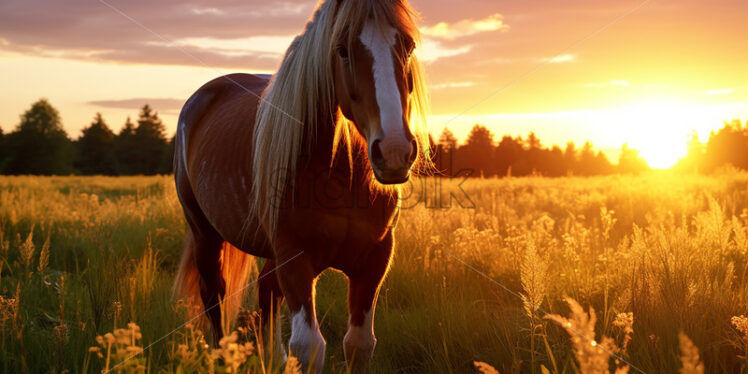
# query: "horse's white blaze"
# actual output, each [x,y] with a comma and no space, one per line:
[379,43]
[306,343]
[362,337]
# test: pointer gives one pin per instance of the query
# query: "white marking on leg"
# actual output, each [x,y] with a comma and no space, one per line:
[307,343]
[379,42]
[360,340]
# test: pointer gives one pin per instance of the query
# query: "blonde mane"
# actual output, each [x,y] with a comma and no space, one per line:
[303,87]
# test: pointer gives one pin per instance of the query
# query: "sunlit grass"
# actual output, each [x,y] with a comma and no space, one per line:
[650,261]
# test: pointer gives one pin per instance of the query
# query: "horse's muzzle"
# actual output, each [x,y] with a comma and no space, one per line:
[390,176]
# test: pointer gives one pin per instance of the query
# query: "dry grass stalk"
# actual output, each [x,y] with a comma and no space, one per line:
[592,356]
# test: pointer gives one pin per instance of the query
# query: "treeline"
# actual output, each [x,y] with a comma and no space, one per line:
[480,155]
[726,146]
[40,145]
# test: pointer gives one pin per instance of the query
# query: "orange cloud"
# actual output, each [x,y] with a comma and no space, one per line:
[466,27]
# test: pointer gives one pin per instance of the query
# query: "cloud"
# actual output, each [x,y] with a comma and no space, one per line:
[432,50]
[560,59]
[452,85]
[91,31]
[160,104]
[248,35]
[438,39]
[201,11]
[268,46]
[466,27]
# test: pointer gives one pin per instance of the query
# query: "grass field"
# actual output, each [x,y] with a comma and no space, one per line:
[662,260]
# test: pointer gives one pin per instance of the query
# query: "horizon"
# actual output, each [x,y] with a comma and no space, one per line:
[652,76]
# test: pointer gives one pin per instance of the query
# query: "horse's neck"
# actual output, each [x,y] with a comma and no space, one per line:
[322,150]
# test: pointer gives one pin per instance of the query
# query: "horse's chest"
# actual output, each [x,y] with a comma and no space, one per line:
[338,211]
[335,228]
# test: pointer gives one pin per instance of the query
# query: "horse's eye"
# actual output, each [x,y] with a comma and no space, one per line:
[342,51]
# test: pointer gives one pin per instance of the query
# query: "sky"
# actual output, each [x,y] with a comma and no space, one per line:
[646,73]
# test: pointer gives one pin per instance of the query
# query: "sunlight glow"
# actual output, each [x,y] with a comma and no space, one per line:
[659,130]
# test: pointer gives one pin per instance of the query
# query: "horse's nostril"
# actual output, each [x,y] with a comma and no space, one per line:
[376,153]
[413,151]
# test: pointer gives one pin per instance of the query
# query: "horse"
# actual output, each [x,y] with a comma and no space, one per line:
[304,169]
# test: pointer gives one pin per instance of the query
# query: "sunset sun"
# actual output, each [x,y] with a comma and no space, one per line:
[659,129]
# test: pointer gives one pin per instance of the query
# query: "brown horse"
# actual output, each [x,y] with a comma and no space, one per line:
[258,173]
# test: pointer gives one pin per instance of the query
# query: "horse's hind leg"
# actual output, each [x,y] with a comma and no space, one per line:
[270,300]
[204,256]
[212,285]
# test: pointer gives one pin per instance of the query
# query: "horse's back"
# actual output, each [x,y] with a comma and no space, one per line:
[224,91]
[213,162]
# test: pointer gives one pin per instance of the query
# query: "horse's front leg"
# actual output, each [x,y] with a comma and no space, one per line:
[296,276]
[363,289]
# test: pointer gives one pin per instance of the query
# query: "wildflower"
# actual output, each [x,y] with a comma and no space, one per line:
[292,366]
[121,349]
[625,322]
[741,324]
[232,353]
[689,356]
[485,368]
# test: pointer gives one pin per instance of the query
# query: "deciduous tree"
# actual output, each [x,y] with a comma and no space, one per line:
[39,144]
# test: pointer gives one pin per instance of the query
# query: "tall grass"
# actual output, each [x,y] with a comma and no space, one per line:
[638,264]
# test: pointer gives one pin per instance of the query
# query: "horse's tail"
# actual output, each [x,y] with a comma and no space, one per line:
[236,268]
[187,283]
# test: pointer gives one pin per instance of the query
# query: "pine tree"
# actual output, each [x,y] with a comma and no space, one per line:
[571,159]
[534,153]
[151,140]
[587,160]
[478,151]
[446,152]
[39,144]
[167,158]
[126,149]
[96,149]
[507,156]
